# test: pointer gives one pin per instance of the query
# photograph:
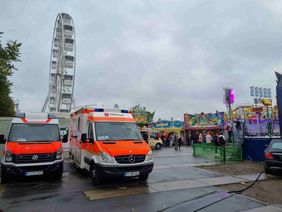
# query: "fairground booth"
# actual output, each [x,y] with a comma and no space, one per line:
[195,124]
[165,127]
[211,123]
[259,120]
[260,124]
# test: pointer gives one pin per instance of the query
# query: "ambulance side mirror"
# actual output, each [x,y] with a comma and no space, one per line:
[65,138]
[2,139]
[83,138]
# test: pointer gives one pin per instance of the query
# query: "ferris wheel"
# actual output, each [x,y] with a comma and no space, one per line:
[62,66]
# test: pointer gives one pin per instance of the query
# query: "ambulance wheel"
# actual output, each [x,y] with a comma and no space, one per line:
[4,178]
[58,175]
[143,177]
[267,171]
[158,146]
[54,176]
[95,175]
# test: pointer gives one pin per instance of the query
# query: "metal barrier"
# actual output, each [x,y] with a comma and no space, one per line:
[220,153]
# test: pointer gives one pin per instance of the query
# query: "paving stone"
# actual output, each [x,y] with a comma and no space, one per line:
[170,186]
[220,180]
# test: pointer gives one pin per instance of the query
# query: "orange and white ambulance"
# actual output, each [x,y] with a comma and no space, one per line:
[33,147]
[107,142]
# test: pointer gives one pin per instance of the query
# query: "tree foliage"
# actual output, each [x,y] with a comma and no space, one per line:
[9,54]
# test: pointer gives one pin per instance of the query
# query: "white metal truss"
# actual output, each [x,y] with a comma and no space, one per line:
[62,66]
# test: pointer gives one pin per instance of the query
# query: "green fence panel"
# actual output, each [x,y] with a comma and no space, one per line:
[212,152]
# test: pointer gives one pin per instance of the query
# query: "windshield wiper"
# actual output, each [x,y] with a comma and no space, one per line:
[130,139]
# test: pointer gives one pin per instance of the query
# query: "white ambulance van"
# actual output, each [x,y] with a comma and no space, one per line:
[107,142]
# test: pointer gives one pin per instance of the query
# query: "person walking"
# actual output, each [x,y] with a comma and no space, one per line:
[180,141]
[171,139]
[221,139]
[176,143]
[208,138]
[230,132]
[215,140]
[200,138]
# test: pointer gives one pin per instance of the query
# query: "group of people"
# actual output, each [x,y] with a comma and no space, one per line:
[177,140]
[173,140]
[217,138]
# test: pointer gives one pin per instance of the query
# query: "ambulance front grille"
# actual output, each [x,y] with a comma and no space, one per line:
[34,158]
[129,159]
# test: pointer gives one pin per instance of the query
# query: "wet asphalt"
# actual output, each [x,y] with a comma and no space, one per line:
[74,191]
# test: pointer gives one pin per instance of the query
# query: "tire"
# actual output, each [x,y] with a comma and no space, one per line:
[95,175]
[58,175]
[158,146]
[4,177]
[267,171]
[54,176]
[143,177]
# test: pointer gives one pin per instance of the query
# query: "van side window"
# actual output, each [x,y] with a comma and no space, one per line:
[90,131]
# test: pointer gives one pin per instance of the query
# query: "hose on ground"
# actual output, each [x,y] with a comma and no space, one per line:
[249,186]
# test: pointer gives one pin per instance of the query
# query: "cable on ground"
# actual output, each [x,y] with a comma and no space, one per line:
[249,186]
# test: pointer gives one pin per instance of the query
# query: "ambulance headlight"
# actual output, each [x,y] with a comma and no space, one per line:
[149,156]
[8,156]
[59,154]
[106,158]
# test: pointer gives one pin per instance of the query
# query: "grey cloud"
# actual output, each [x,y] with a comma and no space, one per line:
[171,56]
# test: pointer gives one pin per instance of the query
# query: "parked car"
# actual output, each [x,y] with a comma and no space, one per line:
[152,138]
[273,157]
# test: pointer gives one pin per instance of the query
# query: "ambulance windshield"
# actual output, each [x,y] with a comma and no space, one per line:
[115,131]
[34,133]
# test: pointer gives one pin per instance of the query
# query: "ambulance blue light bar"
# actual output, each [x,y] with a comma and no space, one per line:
[124,111]
[110,110]
[99,110]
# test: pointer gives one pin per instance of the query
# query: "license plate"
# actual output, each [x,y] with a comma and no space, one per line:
[34,173]
[131,174]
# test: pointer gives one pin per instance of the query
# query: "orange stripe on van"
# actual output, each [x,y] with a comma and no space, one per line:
[87,111]
[115,119]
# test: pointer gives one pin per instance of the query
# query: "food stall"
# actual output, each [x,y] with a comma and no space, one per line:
[166,127]
[195,124]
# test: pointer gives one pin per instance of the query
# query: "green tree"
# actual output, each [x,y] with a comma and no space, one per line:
[9,54]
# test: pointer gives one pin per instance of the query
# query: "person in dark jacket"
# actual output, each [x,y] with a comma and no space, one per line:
[180,141]
[221,139]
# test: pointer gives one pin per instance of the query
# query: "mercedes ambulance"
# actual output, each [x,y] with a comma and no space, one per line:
[33,147]
[107,142]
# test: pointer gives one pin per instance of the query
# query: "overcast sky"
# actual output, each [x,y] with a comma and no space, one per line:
[173,57]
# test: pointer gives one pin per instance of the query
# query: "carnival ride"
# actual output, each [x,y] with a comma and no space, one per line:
[62,66]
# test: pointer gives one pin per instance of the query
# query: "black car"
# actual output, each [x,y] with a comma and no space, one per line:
[273,157]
